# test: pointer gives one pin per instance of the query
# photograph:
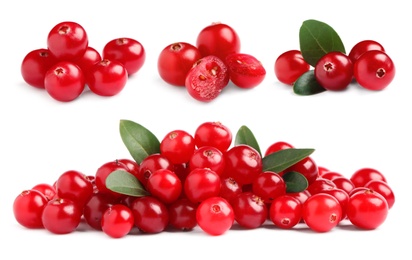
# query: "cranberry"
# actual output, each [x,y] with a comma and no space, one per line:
[215,216]
[150,214]
[28,208]
[61,216]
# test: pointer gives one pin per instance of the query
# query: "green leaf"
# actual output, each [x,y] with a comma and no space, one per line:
[307,85]
[125,183]
[295,182]
[245,136]
[316,39]
[283,159]
[139,141]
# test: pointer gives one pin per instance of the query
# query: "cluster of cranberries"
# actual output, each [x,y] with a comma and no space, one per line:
[367,63]
[201,180]
[69,64]
[206,68]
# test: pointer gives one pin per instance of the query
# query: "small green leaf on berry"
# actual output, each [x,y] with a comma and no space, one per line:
[245,136]
[283,159]
[295,182]
[316,39]
[125,183]
[138,140]
[307,85]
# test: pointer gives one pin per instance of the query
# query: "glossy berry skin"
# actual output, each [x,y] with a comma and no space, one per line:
[277,146]
[35,65]
[367,209]
[175,61]
[182,214]
[131,165]
[107,78]
[96,206]
[374,70]
[243,163]
[229,189]
[215,216]
[75,186]
[177,146]
[150,214]
[307,167]
[90,57]
[383,189]
[289,66]
[49,191]
[250,210]
[28,208]
[268,186]
[321,212]
[152,163]
[319,185]
[207,78]
[117,221]
[334,71]
[285,211]
[245,70]
[341,196]
[363,46]
[218,39]
[200,184]
[101,175]
[208,157]
[362,176]
[343,183]
[64,81]
[128,51]
[215,134]
[61,216]
[165,185]
[67,41]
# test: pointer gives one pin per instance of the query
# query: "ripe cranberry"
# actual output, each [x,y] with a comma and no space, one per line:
[177,146]
[319,185]
[131,165]
[268,186]
[285,211]
[152,163]
[321,212]
[75,186]
[96,206]
[67,41]
[330,175]
[243,163]
[362,176]
[117,221]
[61,216]
[215,216]
[229,188]
[165,185]
[250,210]
[363,46]
[46,189]
[277,146]
[289,66]
[90,57]
[182,214]
[175,61]
[101,175]
[334,71]
[213,134]
[374,70]
[200,184]
[28,208]
[107,77]
[207,78]
[150,214]
[383,189]
[245,70]
[129,52]
[343,183]
[218,39]
[64,81]
[35,65]
[341,196]
[307,167]
[208,157]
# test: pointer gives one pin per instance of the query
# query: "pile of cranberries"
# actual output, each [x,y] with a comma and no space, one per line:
[205,68]
[69,64]
[367,63]
[201,180]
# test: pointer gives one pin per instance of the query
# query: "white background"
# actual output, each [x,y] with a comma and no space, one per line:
[41,138]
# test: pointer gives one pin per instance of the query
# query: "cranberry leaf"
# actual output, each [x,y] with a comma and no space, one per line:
[138,140]
[307,85]
[125,183]
[317,38]
[283,159]
[295,182]
[245,136]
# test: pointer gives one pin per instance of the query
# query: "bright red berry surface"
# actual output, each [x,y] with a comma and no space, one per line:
[208,157]
[28,208]
[289,66]
[362,176]
[150,214]
[250,210]
[214,134]
[245,70]
[165,185]
[61,216]
[363,46]
[177,146]
[35,65]
[107,77]
[215,216]
[200,184]
[117,221]
[321,212]
[285,211]
[334,71]
[75,186]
